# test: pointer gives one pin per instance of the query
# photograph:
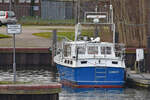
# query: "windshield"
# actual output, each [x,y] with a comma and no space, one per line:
[106,50]
[81,49]
[93,50]
[11,14]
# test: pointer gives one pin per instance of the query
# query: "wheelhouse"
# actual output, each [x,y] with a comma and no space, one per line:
[83,50]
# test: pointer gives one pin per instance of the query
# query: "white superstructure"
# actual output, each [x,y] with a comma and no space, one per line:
[88,53]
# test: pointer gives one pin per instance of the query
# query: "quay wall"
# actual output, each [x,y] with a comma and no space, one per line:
[30,91]
[43,57]
[25,56]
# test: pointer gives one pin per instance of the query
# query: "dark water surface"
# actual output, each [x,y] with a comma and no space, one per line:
[47,75]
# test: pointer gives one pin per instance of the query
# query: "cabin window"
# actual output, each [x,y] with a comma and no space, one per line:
[67,50]
[81,49]
[2,13]
[93,50]
[102,50]
[106,50]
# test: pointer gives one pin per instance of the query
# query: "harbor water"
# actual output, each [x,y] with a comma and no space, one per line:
[44,74]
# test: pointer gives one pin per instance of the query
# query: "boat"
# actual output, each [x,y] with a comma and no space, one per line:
[91,63]
[137,79]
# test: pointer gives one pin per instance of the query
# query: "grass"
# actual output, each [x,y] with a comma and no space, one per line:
[67,29]
[4,36]
[59,29]
[69,35]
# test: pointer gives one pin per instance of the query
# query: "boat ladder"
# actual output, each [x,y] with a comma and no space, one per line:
[100,74]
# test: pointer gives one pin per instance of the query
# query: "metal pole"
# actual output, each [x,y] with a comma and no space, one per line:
[78,11]
[32,5]
[96,27]
[14,58]
[10,4]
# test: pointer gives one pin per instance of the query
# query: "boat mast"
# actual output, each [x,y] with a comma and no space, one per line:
[112,23]
[96,27]
[78,25]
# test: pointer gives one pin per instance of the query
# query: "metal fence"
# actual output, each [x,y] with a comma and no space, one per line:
[52,10]
[57,10]
[20,10]
[46,12]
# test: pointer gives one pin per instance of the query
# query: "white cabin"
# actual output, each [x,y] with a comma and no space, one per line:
[88,53]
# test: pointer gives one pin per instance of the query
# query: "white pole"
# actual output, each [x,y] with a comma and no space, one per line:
[113,25]
[14,58]
[114,34]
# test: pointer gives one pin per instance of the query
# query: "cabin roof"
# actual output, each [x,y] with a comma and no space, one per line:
[89,42]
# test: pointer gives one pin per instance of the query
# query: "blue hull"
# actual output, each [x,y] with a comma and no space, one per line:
[92,76]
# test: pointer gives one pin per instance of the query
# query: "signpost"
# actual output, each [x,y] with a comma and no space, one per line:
[14,29]
[139,54]
[139,58]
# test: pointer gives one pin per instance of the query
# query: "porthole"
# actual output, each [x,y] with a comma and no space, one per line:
[83,62]
[114,62]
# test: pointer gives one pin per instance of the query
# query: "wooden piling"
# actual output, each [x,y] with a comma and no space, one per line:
[54,46]
[129,16]
[147,21]
[148,54]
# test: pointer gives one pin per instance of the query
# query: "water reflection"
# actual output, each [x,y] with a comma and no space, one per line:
[90,93]
[104,94]
[48,75]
